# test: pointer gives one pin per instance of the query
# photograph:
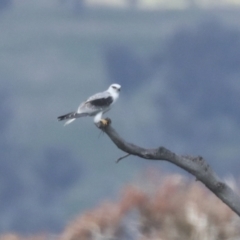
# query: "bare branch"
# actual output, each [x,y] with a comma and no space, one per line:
[197,166]
[125,156]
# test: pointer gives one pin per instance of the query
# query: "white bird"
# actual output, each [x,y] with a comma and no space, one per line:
[95,105]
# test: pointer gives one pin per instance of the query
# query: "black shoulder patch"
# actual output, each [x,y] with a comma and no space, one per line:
[101,102]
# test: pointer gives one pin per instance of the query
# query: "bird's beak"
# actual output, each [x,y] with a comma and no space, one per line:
[119,89]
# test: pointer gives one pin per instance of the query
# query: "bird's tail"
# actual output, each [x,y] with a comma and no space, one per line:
[70,117]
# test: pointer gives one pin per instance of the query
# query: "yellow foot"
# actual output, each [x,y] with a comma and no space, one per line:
[104,122]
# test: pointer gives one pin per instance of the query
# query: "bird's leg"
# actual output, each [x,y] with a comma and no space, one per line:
[101,122]
[104,122]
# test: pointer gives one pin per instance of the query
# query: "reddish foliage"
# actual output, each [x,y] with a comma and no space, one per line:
[169,208]
[161,207]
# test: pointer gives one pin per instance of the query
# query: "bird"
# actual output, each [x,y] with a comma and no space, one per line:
[95,106]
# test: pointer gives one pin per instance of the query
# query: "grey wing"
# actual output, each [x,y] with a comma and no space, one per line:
[98,96]
[96,103]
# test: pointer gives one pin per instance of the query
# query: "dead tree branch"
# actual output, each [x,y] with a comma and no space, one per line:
[197,166]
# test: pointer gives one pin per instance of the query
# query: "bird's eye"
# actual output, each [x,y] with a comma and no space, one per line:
[114,87]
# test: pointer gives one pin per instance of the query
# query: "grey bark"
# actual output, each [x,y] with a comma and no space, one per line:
[197,166]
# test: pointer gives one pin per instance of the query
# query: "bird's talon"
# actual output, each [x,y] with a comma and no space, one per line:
[109,121]
[105,122]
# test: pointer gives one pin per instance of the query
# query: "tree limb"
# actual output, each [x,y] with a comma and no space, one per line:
[125,156]
[197,166]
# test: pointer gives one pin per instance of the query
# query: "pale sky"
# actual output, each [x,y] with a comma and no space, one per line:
[154,4]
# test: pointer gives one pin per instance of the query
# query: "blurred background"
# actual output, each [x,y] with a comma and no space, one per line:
[178,62]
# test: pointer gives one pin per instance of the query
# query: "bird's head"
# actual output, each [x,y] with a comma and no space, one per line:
[114,88]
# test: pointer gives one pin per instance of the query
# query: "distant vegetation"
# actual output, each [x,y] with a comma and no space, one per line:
[199,66]
[162,207]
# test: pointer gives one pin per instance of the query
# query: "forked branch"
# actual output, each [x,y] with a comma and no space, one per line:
[197,166]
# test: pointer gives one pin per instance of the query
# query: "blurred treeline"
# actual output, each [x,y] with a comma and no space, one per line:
[159,207]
